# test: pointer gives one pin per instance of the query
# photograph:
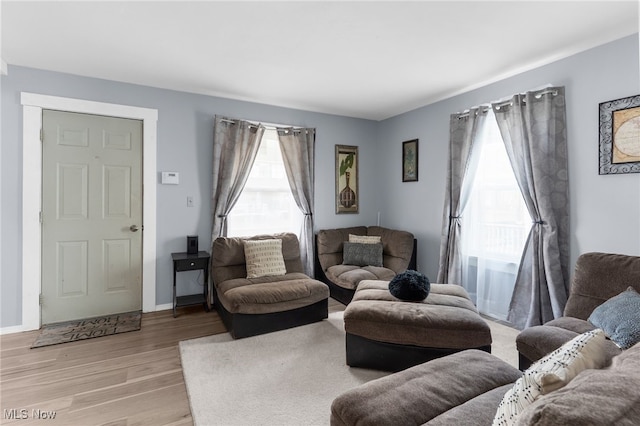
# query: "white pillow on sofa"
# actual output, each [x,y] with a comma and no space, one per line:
[552,372]
[264,258]
[365,239]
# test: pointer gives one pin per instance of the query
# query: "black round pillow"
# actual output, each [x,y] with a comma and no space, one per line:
[410,286]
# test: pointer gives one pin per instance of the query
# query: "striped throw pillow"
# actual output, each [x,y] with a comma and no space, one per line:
[264,258]
[552,372]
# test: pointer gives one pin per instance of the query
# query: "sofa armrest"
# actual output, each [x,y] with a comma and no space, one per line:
[398,247]
[329,244]
[535,342]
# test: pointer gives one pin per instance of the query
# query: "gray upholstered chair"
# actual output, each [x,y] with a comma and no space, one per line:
[597,278]
[256,305]
[398,254]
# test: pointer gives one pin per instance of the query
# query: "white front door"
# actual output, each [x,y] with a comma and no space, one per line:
[91,216]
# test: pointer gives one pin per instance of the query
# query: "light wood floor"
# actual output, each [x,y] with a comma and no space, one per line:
[127,379]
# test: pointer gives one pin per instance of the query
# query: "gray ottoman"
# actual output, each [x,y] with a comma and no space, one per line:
[385,333]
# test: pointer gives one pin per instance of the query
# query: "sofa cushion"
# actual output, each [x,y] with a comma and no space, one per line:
[619,317]
[477,411]
[446,319]
[421,393]
[264,258]
[607,396]
[228,261]
[270,294]
[397,248]
[348,276]
[576,325]
[552,372]
[598,277]
[362,254]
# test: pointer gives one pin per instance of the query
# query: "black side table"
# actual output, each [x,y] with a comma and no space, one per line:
[191,262]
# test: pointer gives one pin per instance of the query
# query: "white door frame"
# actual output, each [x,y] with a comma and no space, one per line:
[32,106]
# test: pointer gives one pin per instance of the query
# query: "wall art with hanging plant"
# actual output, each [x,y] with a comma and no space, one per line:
[346,179]
[410,161]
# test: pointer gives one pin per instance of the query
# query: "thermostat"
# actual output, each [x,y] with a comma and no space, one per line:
[170,178]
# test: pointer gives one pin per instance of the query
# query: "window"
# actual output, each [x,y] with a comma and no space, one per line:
[266,204]
[495,226]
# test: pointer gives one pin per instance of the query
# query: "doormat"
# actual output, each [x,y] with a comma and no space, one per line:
[71,331]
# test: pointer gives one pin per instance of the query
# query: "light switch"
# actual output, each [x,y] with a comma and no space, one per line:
[189,201]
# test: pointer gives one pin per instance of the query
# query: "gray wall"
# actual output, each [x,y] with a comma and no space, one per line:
[185,132]
[605,209]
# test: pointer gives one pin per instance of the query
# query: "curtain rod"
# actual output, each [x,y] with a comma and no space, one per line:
[228,120]
[273,127]
[484,110]
[499,105]
[537,96]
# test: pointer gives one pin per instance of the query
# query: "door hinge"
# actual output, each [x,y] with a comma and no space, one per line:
[40,299]
[41,134]
[40,217]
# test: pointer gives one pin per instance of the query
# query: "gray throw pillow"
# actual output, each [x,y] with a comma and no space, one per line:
[619,318]
[361,254]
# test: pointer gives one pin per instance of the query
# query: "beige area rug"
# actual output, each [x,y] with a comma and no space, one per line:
[288,377]
[71,331]
[504,342]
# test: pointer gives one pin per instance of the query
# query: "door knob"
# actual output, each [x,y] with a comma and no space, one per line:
[133,228]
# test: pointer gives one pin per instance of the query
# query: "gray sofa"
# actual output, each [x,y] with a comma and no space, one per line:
[466,388]
[597,278]
[250,306]
[398,254]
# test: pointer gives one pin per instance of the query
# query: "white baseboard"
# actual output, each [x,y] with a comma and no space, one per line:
[164,307]
[12,329]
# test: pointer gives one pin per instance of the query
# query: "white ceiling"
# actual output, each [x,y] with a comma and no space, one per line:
[365,59]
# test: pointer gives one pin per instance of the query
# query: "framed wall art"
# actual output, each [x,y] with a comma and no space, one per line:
[410,161]
[346,179]
[620,136]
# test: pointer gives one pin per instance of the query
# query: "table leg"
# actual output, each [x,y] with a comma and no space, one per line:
[206,288]
[174,290]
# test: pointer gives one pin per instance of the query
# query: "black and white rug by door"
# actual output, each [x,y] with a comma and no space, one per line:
[71,331]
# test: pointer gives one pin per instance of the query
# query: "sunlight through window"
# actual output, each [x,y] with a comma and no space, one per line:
[266,205]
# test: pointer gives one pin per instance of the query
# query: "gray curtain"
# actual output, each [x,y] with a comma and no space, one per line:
[533,127]
[463,130]
[235,146]
[297,146]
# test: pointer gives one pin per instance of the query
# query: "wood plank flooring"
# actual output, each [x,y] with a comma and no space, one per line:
[126,379]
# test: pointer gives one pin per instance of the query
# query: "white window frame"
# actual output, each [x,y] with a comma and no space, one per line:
[300,221]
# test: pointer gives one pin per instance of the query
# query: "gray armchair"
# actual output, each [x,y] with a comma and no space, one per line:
[597,278]
[399,250]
